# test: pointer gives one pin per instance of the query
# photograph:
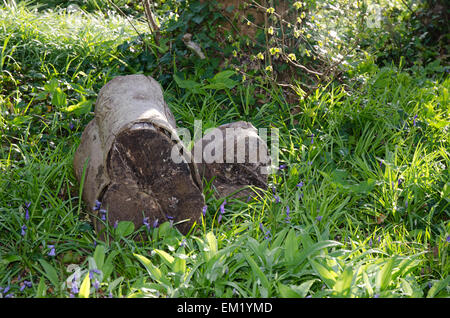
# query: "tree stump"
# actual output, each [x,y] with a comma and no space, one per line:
[234,157]
[126,152]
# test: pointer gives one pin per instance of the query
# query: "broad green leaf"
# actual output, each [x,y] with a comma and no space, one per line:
[108,266]
[85,287]
[293,291]
[165,256]
[344,282]
[384,275]
[406,287]
[326,274]
[367,284]
[99,256]
[180,266]
[438,286]
[306,252]
[124,228]
[50,272]
[41,289]
[190,85]
[291,246]
[81,108]
[257,271]
[212,243]
[154,272]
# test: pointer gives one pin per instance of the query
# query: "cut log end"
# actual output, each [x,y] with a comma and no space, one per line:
[146,182]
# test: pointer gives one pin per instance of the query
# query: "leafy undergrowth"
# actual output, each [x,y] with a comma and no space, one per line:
[359,206]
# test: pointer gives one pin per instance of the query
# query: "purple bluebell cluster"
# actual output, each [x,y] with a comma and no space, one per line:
[26,284]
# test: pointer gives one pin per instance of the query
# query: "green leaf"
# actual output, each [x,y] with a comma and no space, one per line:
[438,286]
[50,272]
[9,259]
[293,291]
[59,98]
[212,243]
[257,271]
[154,272]
[81,108]
[327,275]
[124,228]
[180,266]
[367,284]
[222,80]
[108,266]
[167,258]
[291,246]
[99,256]
[306,252]
[41,289]
[384,275]
[344,283]
[190,85]
[85,287]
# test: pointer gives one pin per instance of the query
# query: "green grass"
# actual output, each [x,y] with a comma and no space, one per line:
[371,218]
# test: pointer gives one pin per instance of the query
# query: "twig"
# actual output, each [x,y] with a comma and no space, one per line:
[151,21]
[126,17]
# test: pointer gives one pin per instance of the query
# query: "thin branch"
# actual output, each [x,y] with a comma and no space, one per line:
[128,19]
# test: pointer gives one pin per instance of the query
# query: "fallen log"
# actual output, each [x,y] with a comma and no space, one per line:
[125,157]
[233,157]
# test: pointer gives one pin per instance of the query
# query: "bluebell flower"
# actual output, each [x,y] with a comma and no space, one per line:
[222,207]
[204,210]
[97,205]
[116,224]
[27,214]
[92,272]
[300,184]
[287,218]
[155,224]
[23,230]
[25,284]
[312,139]
[103,214]
[281,167]
[319,218]
[414,121]
[448,239]
[219,218]
[145,222]
[277,198]
[96,284]
[52,250]
[75,289]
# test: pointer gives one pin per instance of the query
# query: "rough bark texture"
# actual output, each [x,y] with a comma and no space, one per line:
[126,150]
[238,168]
